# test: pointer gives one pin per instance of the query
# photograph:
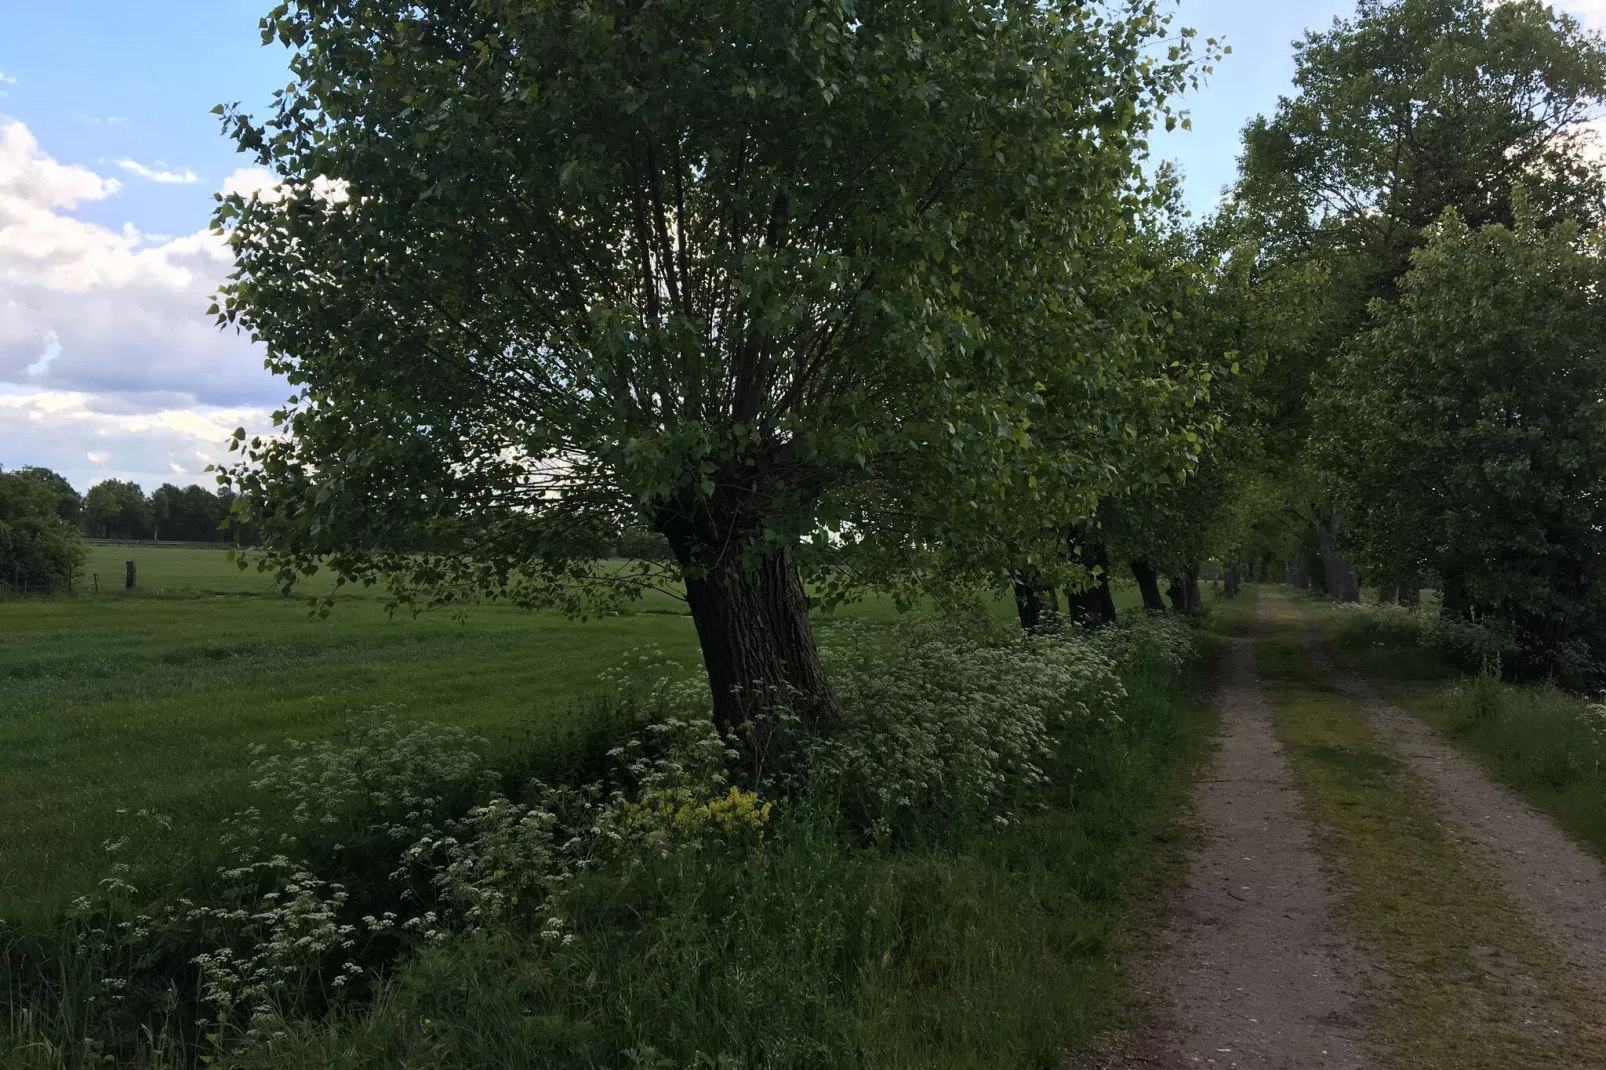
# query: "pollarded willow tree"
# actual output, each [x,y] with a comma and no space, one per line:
[745,273]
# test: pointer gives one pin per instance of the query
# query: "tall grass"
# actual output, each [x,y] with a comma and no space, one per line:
[985,934]
[1546,742]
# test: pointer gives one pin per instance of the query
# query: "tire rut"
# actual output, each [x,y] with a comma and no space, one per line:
[1253,969]
[1559,886]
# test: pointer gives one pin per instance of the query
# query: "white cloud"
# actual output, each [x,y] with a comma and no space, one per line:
[252,182]
[136,367]
[51,352]
[155,174]
[63,429]
[1591,13]
[6,79]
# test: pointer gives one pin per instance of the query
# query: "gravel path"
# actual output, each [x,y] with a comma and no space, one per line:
[1253,970]
[1559,885]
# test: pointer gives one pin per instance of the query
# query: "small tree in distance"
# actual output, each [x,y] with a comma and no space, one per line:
[767,278]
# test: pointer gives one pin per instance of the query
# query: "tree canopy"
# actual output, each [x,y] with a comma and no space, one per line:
[1467,433]
[40,550]
[768,278]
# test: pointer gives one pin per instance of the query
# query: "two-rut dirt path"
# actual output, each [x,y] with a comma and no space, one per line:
[1259,964]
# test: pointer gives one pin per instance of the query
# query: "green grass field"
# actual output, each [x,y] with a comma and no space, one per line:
[148,700]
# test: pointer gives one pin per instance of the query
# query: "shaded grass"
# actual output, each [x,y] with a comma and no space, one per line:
[149,700]
[1541,740]
[1470,984]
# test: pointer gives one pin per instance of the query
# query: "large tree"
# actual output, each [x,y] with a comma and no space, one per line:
[1403,110]
[1413,106]
[117,509]
[40,551]
[755,275]
[1467,432]
[69,503]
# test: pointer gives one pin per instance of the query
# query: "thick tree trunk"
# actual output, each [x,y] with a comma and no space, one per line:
[1094,605]
[1342,582]
[1148,584]
[1231,579]
[758,646]
[1037,605]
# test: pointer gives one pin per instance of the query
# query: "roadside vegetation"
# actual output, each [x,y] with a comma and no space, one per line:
[721,434]
[1547,742]
[411,891]
[1464,981]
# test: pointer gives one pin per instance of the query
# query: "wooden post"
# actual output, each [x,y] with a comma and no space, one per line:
[94,583]
[130,582]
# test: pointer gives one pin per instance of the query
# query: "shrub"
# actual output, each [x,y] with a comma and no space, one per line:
[943,727]
[1466,644]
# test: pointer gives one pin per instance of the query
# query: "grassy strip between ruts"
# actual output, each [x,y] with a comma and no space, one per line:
[1470,984]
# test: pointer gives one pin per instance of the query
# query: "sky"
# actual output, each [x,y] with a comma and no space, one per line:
[110,159]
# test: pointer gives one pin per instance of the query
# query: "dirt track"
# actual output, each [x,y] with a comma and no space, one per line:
[1254,966]
[1559,886]
[1253,970]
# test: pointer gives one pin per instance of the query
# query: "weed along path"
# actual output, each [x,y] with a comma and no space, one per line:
[1361,895]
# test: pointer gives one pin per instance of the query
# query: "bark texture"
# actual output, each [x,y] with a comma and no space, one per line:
[1094,605]
[1148,578]
[753,626]
[1343,584]
[1036,603]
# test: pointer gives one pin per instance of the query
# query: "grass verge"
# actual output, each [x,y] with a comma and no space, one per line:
[1472,986]
[1547,743]
[983,945]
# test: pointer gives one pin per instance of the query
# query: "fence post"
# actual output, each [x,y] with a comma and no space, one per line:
[130,582]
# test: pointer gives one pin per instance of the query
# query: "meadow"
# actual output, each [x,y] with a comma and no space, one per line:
[149,699]
[958,928]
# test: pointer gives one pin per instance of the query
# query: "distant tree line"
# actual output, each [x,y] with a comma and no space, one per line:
[44,520]
[119,509]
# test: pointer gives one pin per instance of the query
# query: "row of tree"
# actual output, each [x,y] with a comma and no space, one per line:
[120,509]
[887,297]
[1433,194]
[43,521]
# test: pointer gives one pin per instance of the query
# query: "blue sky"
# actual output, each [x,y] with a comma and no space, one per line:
[109,160]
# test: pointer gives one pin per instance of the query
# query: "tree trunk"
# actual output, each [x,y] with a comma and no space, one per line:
[1231,579]
[1094,605]
[1191,588]
[1149,584]
[1036,604]
[1178,593]
[758,646]
[1342,582]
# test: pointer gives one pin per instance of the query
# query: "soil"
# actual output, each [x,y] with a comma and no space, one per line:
[1253,969]
[1558,884]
